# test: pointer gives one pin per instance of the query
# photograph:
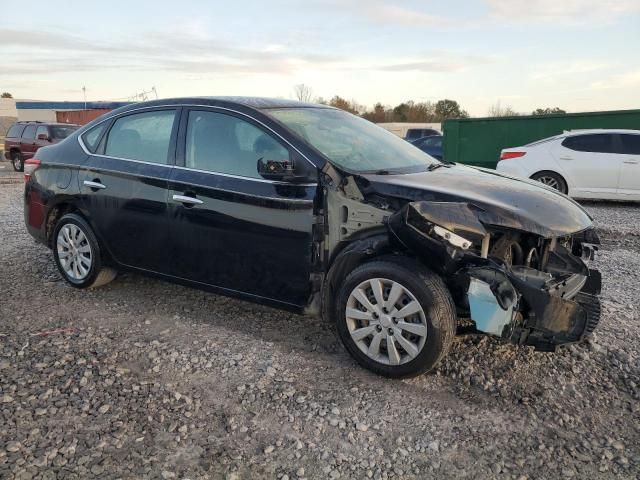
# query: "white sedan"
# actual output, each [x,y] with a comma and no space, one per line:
[602,164]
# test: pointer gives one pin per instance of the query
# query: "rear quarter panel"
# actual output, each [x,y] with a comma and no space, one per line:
[52,184]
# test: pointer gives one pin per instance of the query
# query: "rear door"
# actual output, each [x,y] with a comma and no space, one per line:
[229,227]
[125,185]
[629,148]
[43,137]
[590,164]
[28,141]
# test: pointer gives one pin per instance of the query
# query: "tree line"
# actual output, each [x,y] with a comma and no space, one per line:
[410,111]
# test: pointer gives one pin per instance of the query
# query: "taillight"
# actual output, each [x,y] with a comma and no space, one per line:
[29,167]
[508,155]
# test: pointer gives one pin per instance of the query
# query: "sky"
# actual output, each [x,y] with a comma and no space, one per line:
[579,55]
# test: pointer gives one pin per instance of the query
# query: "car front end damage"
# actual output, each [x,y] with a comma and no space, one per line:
[528,287]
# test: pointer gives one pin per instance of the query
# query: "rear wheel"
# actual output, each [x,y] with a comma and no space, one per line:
[77,253]
[395,317]
[16,162]
[551,179]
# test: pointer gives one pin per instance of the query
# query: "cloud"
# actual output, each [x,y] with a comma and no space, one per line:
[554,71]
[622,80]
[40,52]
[563,12]
[397,15]
[437,62]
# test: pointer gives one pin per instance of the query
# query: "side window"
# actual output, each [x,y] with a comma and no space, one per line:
[630,144]
[221,143]
[42,130]
[15,131]
[142,136]
[594,143]
[92,137]
[29,132]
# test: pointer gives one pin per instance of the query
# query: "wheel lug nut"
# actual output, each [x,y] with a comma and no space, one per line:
[379,328]
[390,331]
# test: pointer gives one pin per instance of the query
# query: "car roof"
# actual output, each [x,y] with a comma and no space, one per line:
[256,103]
[52,124]
[599,130]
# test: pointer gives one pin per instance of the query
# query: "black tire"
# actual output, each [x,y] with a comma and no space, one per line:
[16,162]
[547,174]
[98,274]
[432,295]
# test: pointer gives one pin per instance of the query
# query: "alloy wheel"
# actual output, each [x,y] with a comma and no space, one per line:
[549,181]
[74,252]
[386,321]
[17,162]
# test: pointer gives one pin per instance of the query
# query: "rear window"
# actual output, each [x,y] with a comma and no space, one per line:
[594,143]
[59,132]
[15,131]
[630,144]
[544,140]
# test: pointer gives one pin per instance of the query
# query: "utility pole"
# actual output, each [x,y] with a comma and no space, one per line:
[84,92]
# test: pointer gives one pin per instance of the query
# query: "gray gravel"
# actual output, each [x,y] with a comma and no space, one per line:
[143,379]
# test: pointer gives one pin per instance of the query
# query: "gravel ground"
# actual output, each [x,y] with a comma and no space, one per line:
[143,379]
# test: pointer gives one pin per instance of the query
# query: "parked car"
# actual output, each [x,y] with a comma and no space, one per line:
[311,209]
[416,133]
[431,145]
[24,138]
[602,164]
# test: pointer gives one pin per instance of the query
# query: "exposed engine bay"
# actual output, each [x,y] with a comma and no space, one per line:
[528,287]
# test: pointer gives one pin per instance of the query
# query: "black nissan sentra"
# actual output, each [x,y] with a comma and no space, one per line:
[314,210]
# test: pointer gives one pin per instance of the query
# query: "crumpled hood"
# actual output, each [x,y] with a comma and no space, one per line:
[503,201]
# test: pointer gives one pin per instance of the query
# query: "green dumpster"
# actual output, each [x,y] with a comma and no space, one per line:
[478,141]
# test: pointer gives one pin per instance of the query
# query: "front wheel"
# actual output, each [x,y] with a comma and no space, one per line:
[77,253]
[16,162]
[395,317]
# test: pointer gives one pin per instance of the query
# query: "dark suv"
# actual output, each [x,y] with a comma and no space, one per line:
[311,209]
[24,138]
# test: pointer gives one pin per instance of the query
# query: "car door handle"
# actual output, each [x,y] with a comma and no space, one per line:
[94,185]
[187,200]
[566,158]
[631,161]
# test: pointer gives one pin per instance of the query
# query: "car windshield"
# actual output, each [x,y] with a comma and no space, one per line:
[353,143]
[62,132]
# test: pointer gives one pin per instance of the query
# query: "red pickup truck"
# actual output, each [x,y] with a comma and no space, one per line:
[25,138]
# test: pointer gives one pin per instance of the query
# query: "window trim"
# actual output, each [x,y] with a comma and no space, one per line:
[184,107]
[181,150]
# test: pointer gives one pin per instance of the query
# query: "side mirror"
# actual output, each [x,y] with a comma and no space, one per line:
[281,170]
[44,136]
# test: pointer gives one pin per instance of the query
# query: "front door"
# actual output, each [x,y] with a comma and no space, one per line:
[229,227]
[629,186]
[590,163]
[125,187]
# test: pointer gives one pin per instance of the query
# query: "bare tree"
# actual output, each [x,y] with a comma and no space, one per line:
[497,110]
[304,93]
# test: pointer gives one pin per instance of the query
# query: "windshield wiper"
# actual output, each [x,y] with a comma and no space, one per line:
[382,172]
[433,166]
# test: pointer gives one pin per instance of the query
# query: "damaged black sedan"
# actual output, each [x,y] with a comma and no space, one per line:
[313,210]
